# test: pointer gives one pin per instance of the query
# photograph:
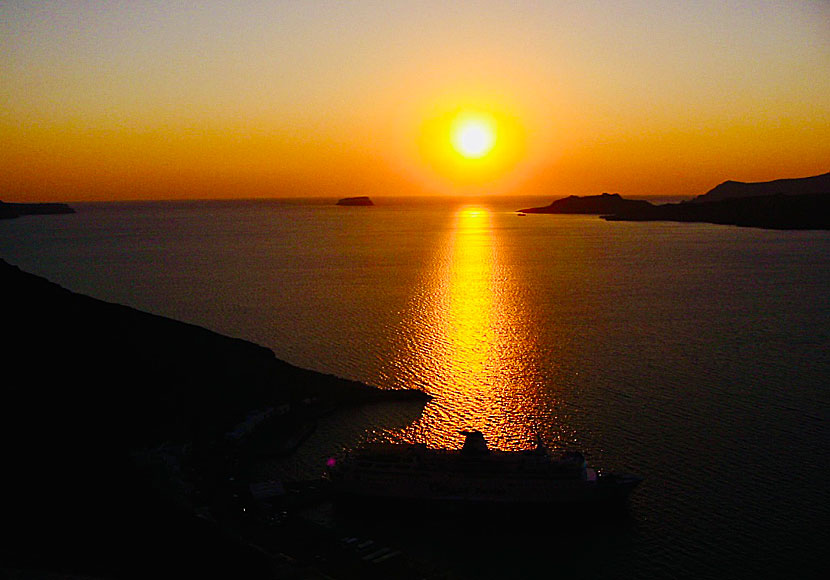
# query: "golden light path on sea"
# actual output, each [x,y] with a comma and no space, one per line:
[466,341]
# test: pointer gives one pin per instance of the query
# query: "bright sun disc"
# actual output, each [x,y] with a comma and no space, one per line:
[472,137]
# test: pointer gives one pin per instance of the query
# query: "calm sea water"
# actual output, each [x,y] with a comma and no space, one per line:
[695,355]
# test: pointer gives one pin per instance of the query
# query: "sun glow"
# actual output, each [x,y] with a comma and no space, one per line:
[468,149]
[472,136]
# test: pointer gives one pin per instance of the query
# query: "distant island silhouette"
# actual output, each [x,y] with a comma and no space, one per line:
[359,201]
[13,210]
[787,204]
[103,405]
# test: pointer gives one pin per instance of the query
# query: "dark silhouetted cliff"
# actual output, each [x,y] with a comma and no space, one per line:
[607,203]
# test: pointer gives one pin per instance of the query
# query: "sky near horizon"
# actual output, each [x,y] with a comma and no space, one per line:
[166,100]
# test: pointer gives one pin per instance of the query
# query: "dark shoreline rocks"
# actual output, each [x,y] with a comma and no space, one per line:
[362,200]
[13,210]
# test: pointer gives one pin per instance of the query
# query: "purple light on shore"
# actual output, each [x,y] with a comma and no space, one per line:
[331,462]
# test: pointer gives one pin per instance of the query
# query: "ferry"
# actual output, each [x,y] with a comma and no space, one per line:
[474,475]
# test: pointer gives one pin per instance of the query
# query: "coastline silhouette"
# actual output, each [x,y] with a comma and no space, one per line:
[785,204]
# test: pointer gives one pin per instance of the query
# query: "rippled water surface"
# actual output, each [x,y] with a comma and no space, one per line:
[695,355]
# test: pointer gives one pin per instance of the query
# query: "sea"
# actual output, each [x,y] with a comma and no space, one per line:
[694,355]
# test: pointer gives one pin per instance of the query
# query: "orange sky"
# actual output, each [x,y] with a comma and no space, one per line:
[146,100]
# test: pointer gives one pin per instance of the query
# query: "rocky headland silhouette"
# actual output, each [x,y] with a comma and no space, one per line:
[96,392]
[592,204]
[361,200]
[13,210]
[786,204]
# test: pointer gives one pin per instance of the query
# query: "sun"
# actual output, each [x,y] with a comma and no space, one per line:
[472,136]
[470,148]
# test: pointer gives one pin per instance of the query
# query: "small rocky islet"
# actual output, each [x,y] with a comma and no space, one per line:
[361,200]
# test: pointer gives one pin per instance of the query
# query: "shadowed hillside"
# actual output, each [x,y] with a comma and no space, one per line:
[86,383]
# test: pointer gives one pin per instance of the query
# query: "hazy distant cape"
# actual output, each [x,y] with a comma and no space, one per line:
[13,210]
[795,204]
[818,184]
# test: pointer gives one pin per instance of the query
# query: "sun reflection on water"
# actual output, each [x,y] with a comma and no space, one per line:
[467,321]
[466,340]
